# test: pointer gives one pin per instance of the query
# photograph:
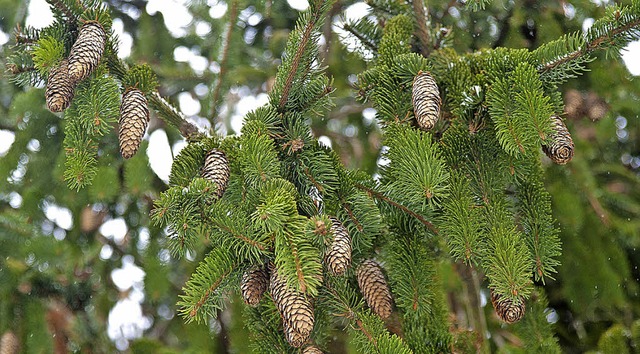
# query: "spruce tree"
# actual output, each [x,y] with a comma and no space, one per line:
[461,232]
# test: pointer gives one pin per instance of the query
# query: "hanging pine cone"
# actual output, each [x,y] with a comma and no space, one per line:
[374,288]
[295,310]
[9,344]
[60,88]
[338,258]
[254,284]
[216,169]
[426,100]
[134,116]
[506,309]
[573,104]
[311,350]
[560,147]
[87,51]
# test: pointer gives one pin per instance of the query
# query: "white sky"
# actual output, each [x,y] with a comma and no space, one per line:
[126,320]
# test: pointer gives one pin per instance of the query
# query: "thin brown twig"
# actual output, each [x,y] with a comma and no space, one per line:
[397,205]
[423,31]
[306,36]
[215,97]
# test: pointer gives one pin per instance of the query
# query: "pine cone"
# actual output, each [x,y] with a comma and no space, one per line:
[216,169]
[9,344]
[573,104]
[254,284]
[295,310]
[311,350]
[426,100]
[374,288]
[560,147]
[338,258]
[60,88]
[87,51]
[134,116]
[596,107]
[508,311]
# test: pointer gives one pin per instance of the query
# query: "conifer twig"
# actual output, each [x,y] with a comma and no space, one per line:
[423,31]
[589,47]
[175,118]
[207,294]
[361,38]
[63,9]
[306,36]
[233,16]
[386,199]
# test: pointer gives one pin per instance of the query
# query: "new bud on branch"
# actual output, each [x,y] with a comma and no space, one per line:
[134,116]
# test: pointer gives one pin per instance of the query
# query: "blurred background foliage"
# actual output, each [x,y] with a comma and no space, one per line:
[70,262]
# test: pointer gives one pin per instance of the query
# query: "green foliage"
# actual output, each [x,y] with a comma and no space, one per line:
[614,340]
[47,54]
[141,77]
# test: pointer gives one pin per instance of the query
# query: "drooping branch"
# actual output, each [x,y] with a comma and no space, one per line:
[171,115]
[224,60]
[397,205]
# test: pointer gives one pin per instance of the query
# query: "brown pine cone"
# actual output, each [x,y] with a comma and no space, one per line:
[216,169]
[60,88]
[506,309]
[295,310]
[86,51]
[560,145]
[338,258]
[311,350]
[134,116]
[9,344]
[426,100]
[374,288]
[254,283]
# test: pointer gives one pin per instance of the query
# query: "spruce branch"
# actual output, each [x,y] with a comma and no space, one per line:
[63,9]
[169,113]
[215,97]
[360,36]
[594,44]
[374,194]
[306,37]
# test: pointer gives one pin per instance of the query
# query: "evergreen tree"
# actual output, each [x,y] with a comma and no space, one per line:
[465,230]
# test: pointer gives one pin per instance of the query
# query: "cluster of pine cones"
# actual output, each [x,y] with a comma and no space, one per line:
[426,104]
[82,61]
[295,309]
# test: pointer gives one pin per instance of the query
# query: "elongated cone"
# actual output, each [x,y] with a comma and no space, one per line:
[506,309]
[87,50]
[294,308]
[216,169]
[311,350]
[560,146]
[60,88]
[338,258]
[426,100]
[254,283]
[9,344]
[374,288]
[134,116]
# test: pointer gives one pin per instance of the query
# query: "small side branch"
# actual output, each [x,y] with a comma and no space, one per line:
[589,47]
[397,205]
[172,116]
[215,97]
[306,36]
